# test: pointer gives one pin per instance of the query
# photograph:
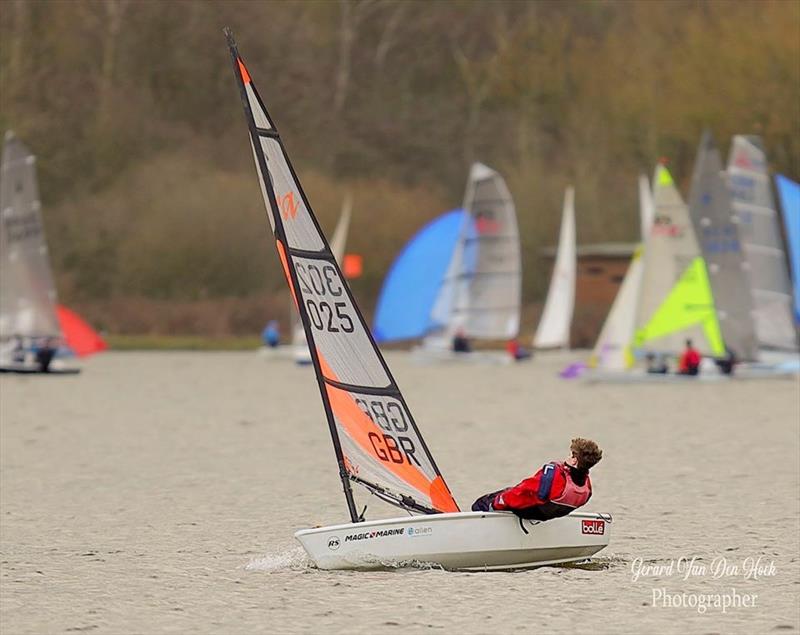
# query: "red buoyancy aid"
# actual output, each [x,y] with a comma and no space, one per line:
[554,506]
[574,495]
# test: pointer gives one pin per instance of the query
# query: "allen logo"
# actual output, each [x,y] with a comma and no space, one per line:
[333,543]
[595,527]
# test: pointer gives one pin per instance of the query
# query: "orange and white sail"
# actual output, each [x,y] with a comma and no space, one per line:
[376,440]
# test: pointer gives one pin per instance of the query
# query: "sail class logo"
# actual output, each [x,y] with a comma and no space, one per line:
[288,205]
[333,543]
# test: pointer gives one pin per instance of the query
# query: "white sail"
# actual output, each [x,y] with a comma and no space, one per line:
[375,439]
[647,210]
[481,292]
[759,230]
[27,291]
[613,350]
[338,245]
[556,320]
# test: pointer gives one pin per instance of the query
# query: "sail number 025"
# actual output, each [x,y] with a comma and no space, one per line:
[324,315]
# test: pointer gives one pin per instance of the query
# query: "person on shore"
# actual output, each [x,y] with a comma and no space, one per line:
[271,336]
[558,488]
[461,343]
[45,353]
[689,362]
[517,352]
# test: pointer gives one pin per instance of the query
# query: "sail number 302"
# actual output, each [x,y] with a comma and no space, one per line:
[324,315]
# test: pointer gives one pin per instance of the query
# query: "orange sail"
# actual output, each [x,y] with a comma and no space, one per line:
[376,440]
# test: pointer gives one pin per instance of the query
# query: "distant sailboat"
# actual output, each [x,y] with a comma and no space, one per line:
[375,439]
[28,303]
[556,320]
[409,291]
[675,301]
[717,231]
[301,353]
[481,291]
[758,227]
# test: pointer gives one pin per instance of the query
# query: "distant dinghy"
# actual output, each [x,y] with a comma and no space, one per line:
[29,312]
[375,438]
[716,227]
[759,229]
[556,320]
[675,302]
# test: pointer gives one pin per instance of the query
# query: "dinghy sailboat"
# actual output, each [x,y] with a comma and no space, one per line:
[758,226]
[29,313]
[716,229]
[556,320]
[481,292]
[376,440]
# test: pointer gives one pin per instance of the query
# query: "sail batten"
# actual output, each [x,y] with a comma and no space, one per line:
[375,438]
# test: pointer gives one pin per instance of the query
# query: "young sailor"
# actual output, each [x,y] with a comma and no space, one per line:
[689,363]
[555,490]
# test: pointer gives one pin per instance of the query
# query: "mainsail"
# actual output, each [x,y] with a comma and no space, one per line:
[554,325]
[789,193]
[480,294]
[27,291]
[759,231]
[716,227]
[675,301]
[375,438]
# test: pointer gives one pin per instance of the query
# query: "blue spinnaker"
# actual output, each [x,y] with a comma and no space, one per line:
[789,193]
[413,282]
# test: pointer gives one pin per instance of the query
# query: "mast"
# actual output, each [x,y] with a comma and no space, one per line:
[281,234]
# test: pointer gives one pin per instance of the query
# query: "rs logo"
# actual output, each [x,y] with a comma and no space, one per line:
[595,527]
[333,543]
[288,205]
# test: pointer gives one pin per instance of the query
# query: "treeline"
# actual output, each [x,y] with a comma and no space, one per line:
[149,193]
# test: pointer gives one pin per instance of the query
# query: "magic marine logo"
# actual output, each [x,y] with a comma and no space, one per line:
[369,535]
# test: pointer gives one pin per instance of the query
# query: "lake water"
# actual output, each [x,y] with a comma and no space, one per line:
[159,492]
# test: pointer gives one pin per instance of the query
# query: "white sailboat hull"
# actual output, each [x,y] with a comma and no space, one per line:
[740,374]
[478,541]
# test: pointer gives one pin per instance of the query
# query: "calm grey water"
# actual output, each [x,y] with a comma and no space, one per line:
[158,493]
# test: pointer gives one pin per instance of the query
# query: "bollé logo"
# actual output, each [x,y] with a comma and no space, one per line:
[333,543]
[596,527]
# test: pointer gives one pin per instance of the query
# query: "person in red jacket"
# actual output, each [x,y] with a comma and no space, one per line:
[555,490]
[689,363]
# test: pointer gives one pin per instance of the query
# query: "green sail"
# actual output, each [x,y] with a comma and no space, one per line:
[689,303]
